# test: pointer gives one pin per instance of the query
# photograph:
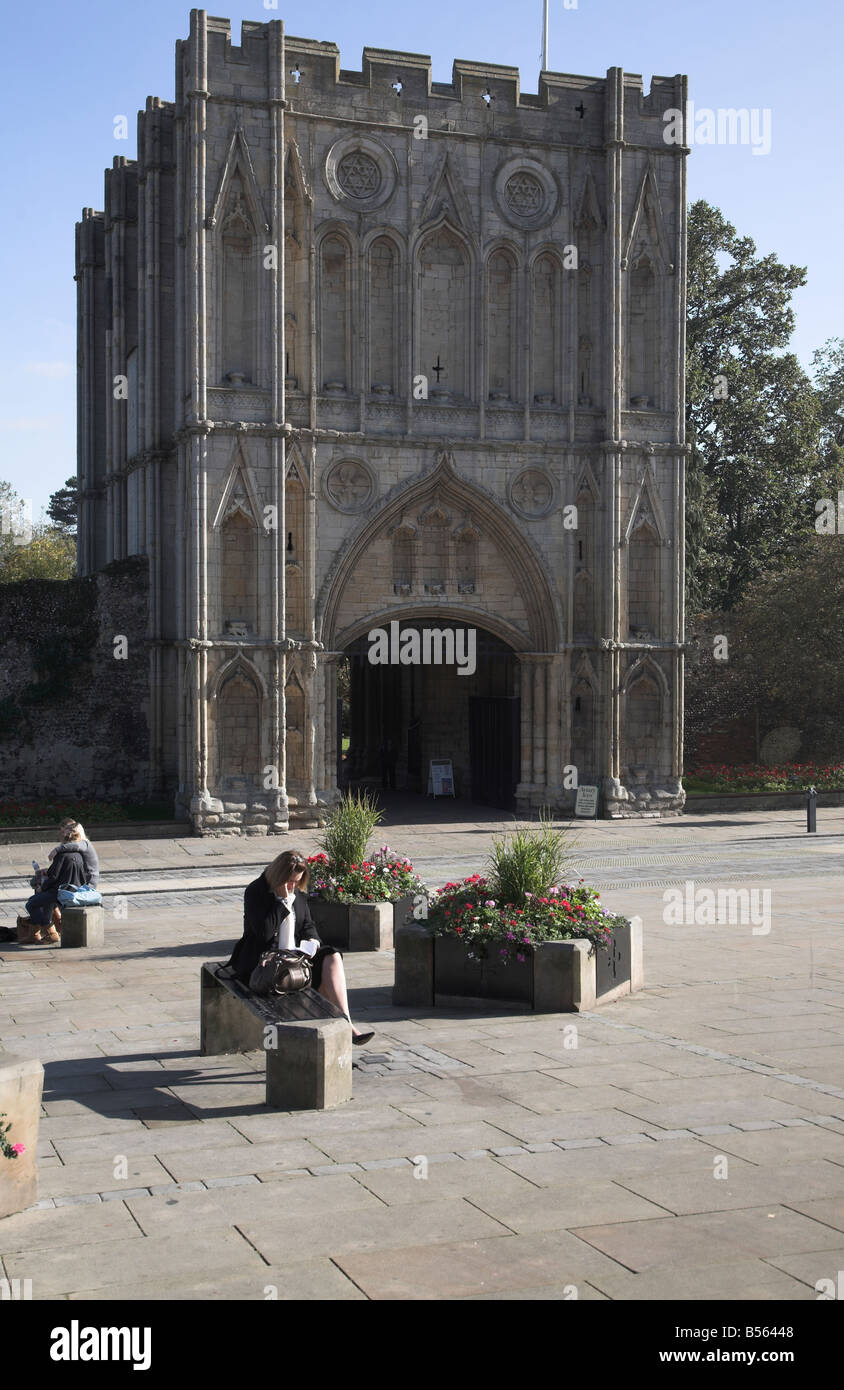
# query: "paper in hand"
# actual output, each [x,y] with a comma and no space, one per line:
[310,948]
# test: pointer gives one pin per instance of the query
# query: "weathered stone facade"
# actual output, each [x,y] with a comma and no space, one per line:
[353,347]
[74,662]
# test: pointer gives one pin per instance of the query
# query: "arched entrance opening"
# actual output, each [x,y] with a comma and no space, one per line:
[400,715]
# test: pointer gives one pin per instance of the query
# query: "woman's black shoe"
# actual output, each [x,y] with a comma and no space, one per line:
[361,1038]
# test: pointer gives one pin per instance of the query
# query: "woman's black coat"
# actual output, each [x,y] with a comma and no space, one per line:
[67,868]
[263,914]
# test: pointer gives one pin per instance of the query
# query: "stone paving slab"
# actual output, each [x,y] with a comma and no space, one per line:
[742,1280]
[246,1206]
[465,1269]
[187,1165]
[64,1180]
[830,1210]
[549,1293]
[375,1228]
[298,1280]
[404,1143]
[689,1193]
[787,1146]
[186,1258]
[564,1207]
[812,1267]
[211,1134]
[474,1179]
[710,1237]
[673,1156]
[67,1228]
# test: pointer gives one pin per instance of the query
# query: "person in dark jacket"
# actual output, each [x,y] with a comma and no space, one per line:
[86,849]
[276,916]
[67,869]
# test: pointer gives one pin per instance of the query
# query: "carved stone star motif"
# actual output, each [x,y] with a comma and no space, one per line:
[358,175]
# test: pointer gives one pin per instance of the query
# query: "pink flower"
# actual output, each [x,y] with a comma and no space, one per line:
[18,1148]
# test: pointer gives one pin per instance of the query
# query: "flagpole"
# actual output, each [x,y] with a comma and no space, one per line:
[545,37]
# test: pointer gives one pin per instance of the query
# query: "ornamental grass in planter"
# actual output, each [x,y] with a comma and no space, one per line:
[357,900]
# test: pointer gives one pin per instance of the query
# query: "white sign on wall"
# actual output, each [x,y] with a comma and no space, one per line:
[587,802]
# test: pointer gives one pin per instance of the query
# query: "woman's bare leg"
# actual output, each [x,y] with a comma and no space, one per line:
[333,985]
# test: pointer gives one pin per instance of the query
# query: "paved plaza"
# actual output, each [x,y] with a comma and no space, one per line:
[691,1144]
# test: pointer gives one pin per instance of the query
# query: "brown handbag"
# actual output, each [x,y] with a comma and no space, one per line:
[281,972]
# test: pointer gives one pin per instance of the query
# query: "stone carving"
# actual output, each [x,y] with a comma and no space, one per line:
[524,194]
[359,175]
[532,493]
[349,486]
[360,172]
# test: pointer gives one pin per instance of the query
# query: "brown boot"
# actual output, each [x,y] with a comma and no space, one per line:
[48,936]
[57,920]
[28,934]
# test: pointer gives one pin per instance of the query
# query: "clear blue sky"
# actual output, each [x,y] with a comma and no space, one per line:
[71,68]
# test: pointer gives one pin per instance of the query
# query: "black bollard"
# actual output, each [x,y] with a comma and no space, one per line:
[811,812]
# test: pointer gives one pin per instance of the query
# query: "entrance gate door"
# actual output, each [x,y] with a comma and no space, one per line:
[495,749]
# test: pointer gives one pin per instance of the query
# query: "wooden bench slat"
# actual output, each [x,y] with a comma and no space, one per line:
[281,1008]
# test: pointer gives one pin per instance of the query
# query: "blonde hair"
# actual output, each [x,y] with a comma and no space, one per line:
[284,866]
[71,830]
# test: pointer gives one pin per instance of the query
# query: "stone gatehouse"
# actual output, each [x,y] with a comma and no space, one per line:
[356,347]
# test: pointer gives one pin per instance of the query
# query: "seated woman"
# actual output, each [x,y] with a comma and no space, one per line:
[67,868]
[86,849]
[276,916]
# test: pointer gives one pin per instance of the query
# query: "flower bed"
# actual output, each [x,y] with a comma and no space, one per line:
[490,929]
[560,950]
[386,877]
[752,777]
[359,908]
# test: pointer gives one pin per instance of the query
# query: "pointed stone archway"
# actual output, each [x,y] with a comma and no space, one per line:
[510,603]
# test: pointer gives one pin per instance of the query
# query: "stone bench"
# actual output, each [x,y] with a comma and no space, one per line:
[307,1041]
[82,926]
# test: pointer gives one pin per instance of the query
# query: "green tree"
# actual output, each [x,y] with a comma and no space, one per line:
[754,417]
[828,367]
[789,643]
[63,506]
[31,550]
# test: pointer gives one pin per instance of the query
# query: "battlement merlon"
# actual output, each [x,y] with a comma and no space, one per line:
[208,62]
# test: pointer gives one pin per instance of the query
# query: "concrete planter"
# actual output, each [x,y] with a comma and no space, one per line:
[558,976]
[354,926]
[455,975]
[402,909]
[21,1082]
